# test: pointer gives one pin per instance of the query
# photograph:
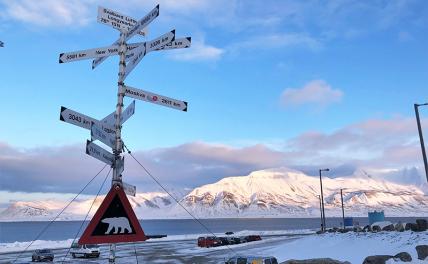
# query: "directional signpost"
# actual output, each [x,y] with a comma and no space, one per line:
[115,220]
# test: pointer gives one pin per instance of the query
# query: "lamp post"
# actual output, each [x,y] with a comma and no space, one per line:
[321,216]
[421,138]
[343,209]
[322,200]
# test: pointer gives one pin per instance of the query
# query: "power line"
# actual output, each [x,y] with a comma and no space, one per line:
[87,214]
[175,199]
[47,226]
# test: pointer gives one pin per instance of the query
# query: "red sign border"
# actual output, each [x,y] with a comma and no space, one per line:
[139,235]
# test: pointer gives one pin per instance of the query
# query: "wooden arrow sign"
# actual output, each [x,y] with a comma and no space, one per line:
[155,98]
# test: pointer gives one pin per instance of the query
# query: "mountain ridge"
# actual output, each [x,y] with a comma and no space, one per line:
[277,192]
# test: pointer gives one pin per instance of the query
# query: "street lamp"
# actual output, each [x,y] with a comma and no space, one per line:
[319,198]
[421,138]
[322,200]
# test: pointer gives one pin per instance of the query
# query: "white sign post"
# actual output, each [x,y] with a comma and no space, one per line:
[117,20]
[155,98]
[108,130]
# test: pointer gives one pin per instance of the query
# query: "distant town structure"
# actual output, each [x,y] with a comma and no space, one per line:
[376,217]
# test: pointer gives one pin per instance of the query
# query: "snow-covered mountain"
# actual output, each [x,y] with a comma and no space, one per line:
[279,192]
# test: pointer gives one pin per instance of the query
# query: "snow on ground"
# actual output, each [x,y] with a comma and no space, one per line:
[352,247]
[18,246]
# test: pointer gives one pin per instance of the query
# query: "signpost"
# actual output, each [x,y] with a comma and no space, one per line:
[115,220]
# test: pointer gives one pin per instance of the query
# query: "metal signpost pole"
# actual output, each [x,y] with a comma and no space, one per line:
[117,178]
[421,137]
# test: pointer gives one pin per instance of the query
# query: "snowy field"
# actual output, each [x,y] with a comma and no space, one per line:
[352,247]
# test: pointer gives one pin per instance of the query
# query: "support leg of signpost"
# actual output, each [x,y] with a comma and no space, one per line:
[112,257]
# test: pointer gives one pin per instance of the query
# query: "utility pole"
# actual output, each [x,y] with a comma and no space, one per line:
[322,200]
[343,210]
[421,138]
[321,216]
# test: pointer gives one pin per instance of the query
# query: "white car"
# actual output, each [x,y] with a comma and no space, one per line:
[85,251]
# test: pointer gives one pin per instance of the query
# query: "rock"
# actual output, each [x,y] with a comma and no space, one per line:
[376,228]
[412,226]
[388,228]
[399,227]
[377,259]
[403,256]
[422,251]
[367,228]
[315,261]
[422,224]
[357,229]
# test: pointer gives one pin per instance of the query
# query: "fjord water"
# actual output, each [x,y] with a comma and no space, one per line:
[26,231]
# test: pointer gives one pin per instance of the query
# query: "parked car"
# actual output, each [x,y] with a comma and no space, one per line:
[85,251]
[252,260]
[224,241]
[209,242]
[251,238]
[42,255]
[234,240]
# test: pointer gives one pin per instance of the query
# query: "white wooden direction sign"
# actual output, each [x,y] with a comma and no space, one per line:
[180,43]
[75,118]
[99,153]
[110,120]
[141,24]
[155,98]
[129,189]
[88,54]
[137,54]
[97,132]
[117,20]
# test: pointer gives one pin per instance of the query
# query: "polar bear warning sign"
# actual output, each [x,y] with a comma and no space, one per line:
[114,222]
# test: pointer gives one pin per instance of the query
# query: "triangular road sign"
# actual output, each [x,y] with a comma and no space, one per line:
[114,222]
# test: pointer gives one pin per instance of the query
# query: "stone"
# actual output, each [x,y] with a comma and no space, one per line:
[377,259]
[422,251]
[422,224]
[412,226]
[388,228]
[315,261]
[403,256]
[376,228]
[399,227]
[367,228]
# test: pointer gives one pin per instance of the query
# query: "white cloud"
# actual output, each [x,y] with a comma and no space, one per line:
[199,51]
[316,92]
[276,40]
[48,13]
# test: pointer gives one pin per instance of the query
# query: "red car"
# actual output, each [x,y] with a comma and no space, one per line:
[209,242]
[251,238]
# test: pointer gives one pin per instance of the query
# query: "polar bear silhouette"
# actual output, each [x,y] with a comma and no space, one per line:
[117,223]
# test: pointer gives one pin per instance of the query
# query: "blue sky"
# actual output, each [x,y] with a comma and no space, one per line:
[260,76]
